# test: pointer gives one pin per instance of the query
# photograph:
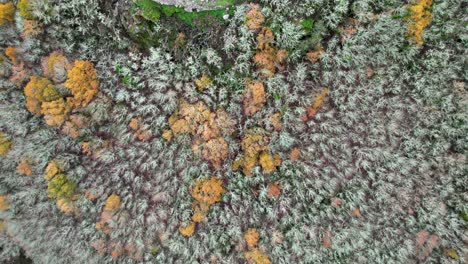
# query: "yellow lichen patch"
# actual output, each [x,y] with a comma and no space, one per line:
[37,91]
[254,97]
[112,203]
[24,167]
[200,211]
[167,134]
[7,13]
[24,8]
[55,112]
[317,102]
[419,18]
[254,18]
[208,191]
[66,206]
[251,237]
[268,162]
[4,204]
[2,225]
[53,168]
[452,253]
[203,82]
[188,229]
[82,82]
[255,256]
[5,144]
[274,190]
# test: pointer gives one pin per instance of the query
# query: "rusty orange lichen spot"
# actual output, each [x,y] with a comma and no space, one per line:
[4,204]
[188,230]
[251,237]
[274,190]
[356,212]
[24,168]
[141,132]
[200,211]
[255,256]
[5,144]
[317,102]
[419,18]
[254,18]
[112,203]
[254,97]
[82,82]
[203,82]
[12,54]
[208,191]
[7,13]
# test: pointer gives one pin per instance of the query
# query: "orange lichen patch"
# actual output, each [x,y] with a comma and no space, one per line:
[251,237]
[31,28]
[141,132]
[326,239]
[419,18]
[188,229]
[254,18]
[203,82]
[254,97]
[82,82]
[5,144]
[208,191]
[53,168]
[275,120]
[37,91]
[24,167]
[255,256]
[4,204]
[167,134]
[12,54]
[274,190]
[116,249]
[356,212]
[86,148]
[7,13]
[295,154]
[256,151]
[317,102]
[265,61]
[314,56]
[112,203]
[55,112]
[207,129]
[55,66]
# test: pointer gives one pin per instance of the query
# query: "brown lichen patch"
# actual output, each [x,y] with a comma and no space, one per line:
[317,102]
[24,167]
[295,154]
[254,18]
[256,152]
[327,239]
[4,204]
[275,121]
[207,129]
[254,97]
[73,126]
[55,66]
[141,132]
[274,190]
[268,58]
[314,55]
